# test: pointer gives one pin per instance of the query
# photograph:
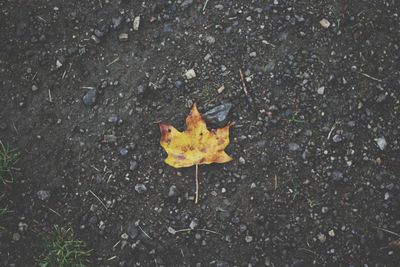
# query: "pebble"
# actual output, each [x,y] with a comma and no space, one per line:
[173,191]
[22,226]
[218,114]
[337,138]
[210,39]
[89,99]
[331,233]
[123,37]
[321,237]
[116,22]
[123,151]
[324,210]
[242,160]
[325,23]
[34,88]
[321,90]
[113,119]
[136,23]
[43,195]
[171,230]
[102,226]
[133,165]
[194,223]
[293,147]
[124,236]
[140,188]
[221,89]
[190,74]
[16,236]
[248,238]
[381,141]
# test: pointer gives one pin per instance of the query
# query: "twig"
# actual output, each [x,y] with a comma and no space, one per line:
[102,203]
[87,87]
[276,182]
[112,62]
[197,184]
[50,99]
[59,215]
[268,43]
[330,132]
[144,232]
[204,230]
[39,17]
[388,231]
[101,5]
[308,250]
[369,76]
[243,83]
[205,4]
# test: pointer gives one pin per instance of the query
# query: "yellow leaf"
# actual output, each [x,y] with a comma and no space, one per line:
[196,145]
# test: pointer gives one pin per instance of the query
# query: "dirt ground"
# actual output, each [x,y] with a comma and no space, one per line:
[316,169]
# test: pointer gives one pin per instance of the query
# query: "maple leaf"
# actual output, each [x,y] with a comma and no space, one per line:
[196,145]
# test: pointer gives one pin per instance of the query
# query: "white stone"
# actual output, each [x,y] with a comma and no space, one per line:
[190,74]
[325,23]
[136,23]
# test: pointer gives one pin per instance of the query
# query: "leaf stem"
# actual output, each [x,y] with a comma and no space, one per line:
[197,184]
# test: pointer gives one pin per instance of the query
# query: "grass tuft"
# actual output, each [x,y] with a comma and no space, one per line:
[8,158]
[63,249]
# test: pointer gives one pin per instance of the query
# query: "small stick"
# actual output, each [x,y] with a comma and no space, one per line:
[276,182]
[243,83]
[388,231]
[205,4]
[39,17]
[50,99]
[204,230]
[197,184]
[112,62]
[102,203]
[369,76]
[101,5]
[330,132]
[144,232]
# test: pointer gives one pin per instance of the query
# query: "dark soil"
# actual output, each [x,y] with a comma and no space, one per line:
[316,169]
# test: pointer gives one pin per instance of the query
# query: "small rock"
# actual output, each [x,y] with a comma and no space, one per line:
[22,227]
[140,188]
[109,138]
[331,233]
[381,141]
[171,230]
[221,89]
[141,89]
[248,238]
[325,23]
[16,236]
[58,64]
[210,39]
[190,74]
[218,114]
[337,138]
[43,195]
[173,191]
[321,90]
[242,160]
[293,147]
[113,119]
[136,23]
[102,226]
[123,37]
[194,223]
[186,4]
[124,236]
[123,151]
[89,99]
[95,39]
[321,237]
[133,165]
[116,22]
[34,88]
[325,209]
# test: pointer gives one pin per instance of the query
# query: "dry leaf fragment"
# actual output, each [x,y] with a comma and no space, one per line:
[196,145]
